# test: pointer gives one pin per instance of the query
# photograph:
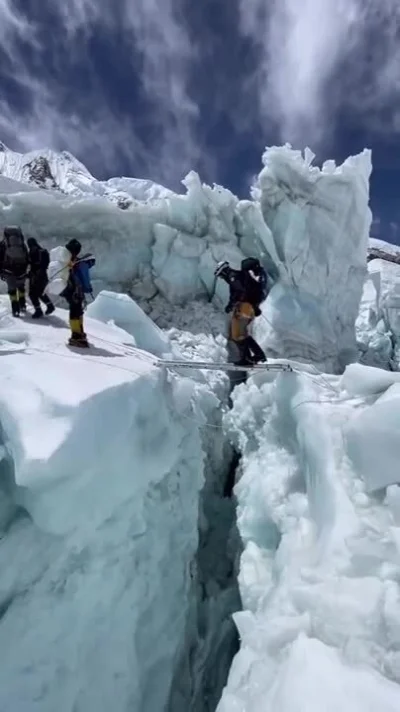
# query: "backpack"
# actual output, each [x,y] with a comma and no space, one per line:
[15,250]
[256,289]
[58,270]
[81,270]
[253,290]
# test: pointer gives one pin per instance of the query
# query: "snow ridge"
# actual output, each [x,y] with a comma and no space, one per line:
[64,173]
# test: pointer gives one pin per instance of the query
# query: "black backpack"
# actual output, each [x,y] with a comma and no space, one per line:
[15,250]
[253,289]
[256,288]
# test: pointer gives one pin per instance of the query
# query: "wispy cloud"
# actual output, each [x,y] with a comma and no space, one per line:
[159,34]
[157,56]
[317,57]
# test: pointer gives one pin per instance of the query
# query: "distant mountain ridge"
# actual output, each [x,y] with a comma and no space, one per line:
[62,172]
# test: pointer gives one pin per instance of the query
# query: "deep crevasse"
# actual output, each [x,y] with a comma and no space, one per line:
[109,462]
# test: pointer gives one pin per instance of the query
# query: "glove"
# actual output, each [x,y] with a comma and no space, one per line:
[228,308]
[257,311]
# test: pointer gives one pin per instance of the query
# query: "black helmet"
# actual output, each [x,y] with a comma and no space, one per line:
[31,242]
[251,263]
[74,247]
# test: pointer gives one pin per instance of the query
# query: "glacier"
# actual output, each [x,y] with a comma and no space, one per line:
[143,522]
[168,245]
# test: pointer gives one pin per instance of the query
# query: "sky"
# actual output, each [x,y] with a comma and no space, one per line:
[155,88]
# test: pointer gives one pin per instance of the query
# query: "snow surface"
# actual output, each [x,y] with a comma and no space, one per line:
[309,226]
[102,463]
[321,563]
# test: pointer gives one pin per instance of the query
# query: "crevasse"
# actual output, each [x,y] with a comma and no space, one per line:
[115,557]
[108,468]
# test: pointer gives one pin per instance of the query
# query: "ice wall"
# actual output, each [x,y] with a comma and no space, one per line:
[378,323]
[319,222]
[101,462]
[168,245]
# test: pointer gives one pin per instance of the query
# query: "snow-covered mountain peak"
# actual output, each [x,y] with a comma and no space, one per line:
[63,172]
[38,171]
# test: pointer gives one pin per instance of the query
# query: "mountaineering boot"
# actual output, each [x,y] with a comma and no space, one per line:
[15,308]
[37,314]
[50,308]
[77,338]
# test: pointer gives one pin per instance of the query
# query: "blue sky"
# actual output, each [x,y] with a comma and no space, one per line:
[153,88]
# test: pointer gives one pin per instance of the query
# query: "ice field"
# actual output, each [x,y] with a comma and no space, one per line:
[124,552]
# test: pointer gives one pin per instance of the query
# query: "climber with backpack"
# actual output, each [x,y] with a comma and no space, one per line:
[78,285]
[39,260]
[247,289]
[14,261]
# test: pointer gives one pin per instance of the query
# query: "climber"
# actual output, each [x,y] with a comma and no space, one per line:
[38,280]
[247,289]
[78,285]
[14,260]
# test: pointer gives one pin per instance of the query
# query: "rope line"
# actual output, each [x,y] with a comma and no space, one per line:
[84,358]
[155,361]
[130,350]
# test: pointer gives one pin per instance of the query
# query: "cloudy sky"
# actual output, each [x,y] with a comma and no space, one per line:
[153,88]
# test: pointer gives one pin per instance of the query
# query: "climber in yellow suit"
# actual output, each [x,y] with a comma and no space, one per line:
[247,289]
